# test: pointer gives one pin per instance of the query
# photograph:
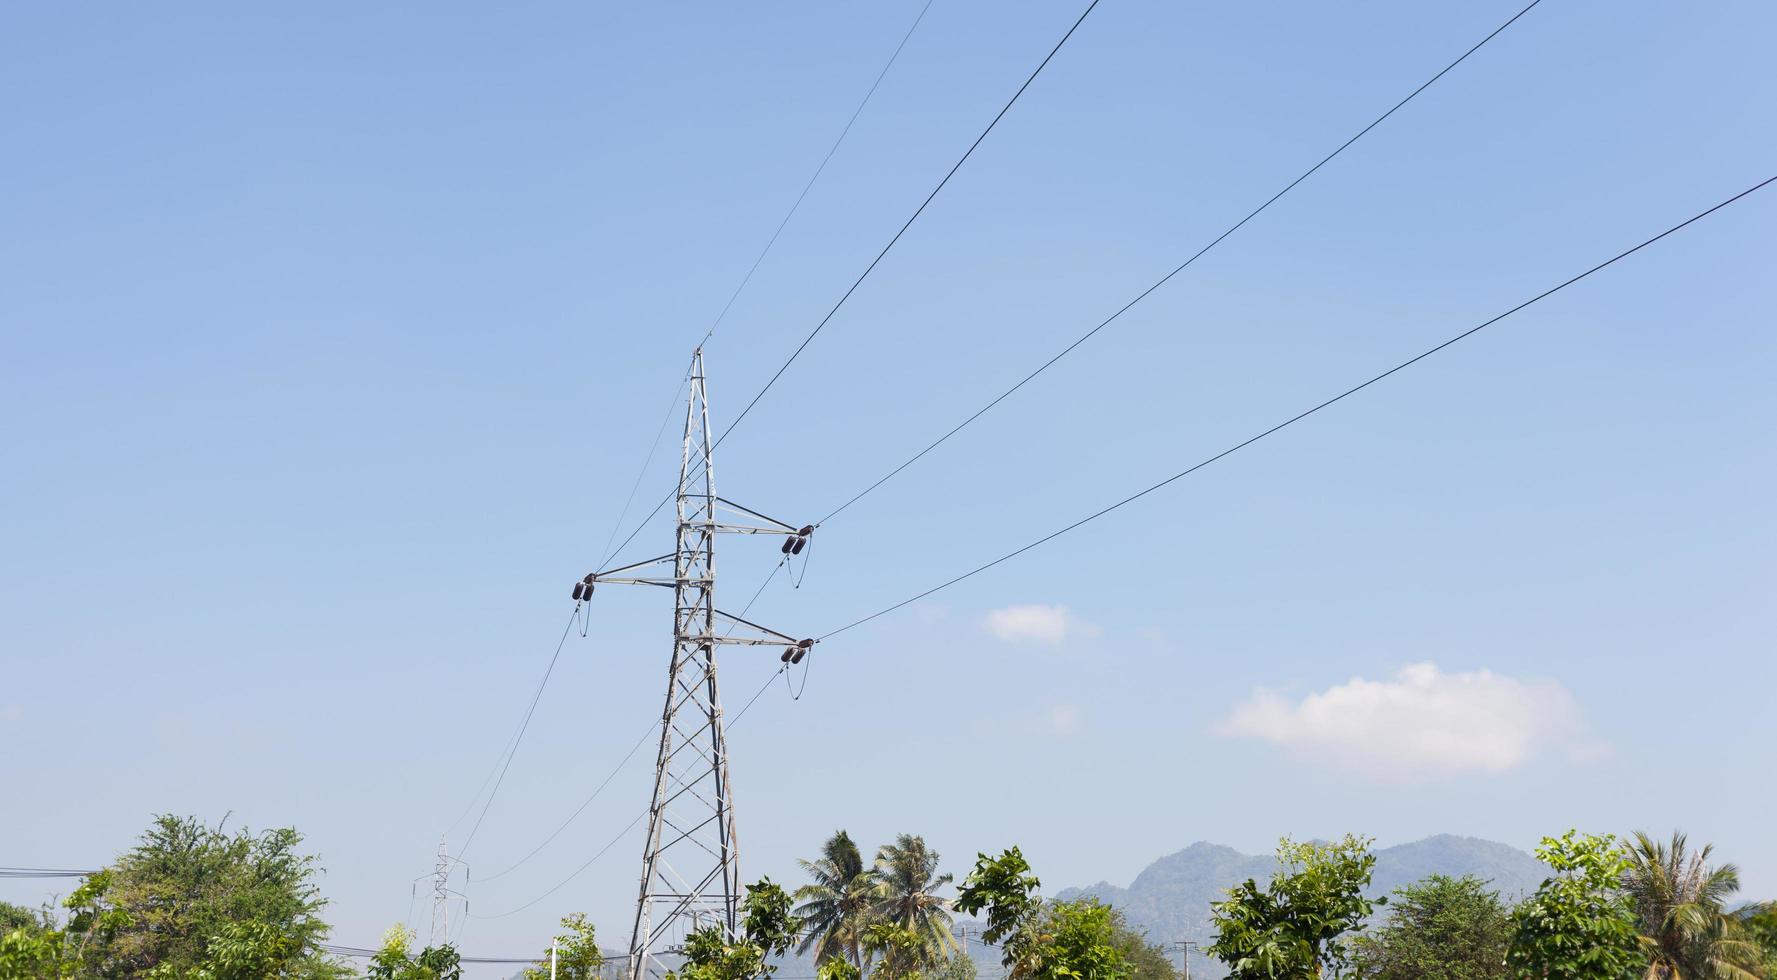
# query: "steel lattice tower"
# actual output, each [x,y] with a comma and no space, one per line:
[691,861]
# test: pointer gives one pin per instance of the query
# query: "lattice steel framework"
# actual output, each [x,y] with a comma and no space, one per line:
[691,861]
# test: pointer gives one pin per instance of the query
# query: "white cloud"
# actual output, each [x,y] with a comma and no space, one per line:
[1055,721]
[1048,625]
[1422,722]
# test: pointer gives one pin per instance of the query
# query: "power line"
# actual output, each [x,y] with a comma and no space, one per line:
[581,808]
[625,761]
[843,133]
[1002,396]
[522,727]
[364,952]
[655,445]
[879,257]
[909,222]
[1299,417]
[631,825]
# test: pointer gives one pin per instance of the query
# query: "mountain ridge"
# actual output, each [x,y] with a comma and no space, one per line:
[1169,899]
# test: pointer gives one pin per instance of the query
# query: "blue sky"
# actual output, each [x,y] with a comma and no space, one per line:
[335,335]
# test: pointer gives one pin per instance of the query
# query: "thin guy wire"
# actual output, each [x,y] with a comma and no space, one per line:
[817,173]
[1181,267]
[909,223]
[1297,418]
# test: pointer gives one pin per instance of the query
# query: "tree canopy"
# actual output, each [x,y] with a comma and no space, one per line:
[1438,928]
[191,902]
[1578,925]
[1294,927]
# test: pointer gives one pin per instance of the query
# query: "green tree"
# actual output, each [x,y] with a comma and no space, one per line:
[1293,928]
[1038,940]
[577,955]
[18,917]
[1759,923]
[1079,940]
[396,960]
[194,902]
[837,903]
[956,966]
[1438,928]
[1578,925]
[1004,888]
[33,953]
[1145,960]
[899,953]
[908,873]
[769,930]
[1679,903]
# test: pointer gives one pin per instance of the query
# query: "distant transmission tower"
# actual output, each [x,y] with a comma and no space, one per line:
[442,894]
[691,861]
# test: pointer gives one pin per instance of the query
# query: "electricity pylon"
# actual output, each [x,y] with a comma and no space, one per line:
[442,894]
[691,861]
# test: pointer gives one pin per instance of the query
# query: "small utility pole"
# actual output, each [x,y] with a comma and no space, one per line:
[1184,948]
[553,943]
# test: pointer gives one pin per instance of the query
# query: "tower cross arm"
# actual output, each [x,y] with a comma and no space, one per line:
[775,526]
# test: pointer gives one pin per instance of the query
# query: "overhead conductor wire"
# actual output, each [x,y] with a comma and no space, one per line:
[519,737]
[843,133]
[1088,335]
[1299,417]
[880,255]
[639,817]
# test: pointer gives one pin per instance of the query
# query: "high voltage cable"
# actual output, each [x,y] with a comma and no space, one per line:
[871,267]
[653,448]
[1002,396]
[519,737]
[581,808]
[760,258]
[631,826]
[817,172]
[909,222]
[1297,418]
[363,952]
[652,727]
[879,255]
[655,445]
[44,873]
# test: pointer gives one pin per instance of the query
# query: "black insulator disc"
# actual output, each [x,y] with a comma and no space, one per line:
[589,577]
[788,544]
[796,658]
[787,652]
[579,591]
[796,545]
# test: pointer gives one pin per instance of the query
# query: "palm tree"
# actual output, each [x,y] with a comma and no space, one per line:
[836,907]
[1679,901]
[908,873]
